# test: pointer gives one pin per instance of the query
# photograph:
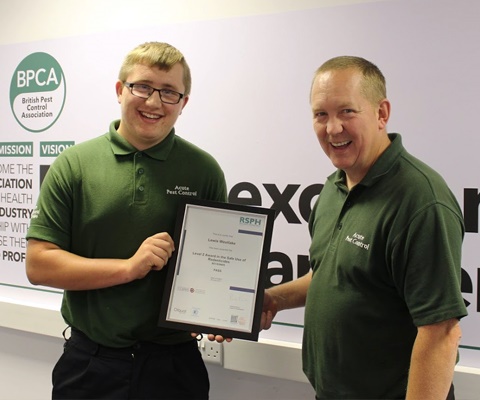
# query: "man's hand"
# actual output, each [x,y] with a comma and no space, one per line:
[212,337]
[270,309]
[153,254]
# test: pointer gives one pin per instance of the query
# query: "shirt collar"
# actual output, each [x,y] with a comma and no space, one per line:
[120,146]
[382,166]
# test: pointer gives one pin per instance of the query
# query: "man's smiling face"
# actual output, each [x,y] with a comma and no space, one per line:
[350,129]
[146,122]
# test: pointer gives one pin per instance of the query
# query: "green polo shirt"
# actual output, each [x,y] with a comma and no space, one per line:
[386,259]
[101,199]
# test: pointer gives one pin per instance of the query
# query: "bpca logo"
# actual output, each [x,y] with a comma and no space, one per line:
[37,92]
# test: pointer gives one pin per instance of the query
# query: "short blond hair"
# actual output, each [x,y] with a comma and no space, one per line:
[374,86]
[161,55]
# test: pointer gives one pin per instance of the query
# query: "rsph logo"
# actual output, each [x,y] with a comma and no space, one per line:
[37,92]
[251,221]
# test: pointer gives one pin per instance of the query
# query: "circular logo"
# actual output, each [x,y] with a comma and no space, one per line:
[37,92]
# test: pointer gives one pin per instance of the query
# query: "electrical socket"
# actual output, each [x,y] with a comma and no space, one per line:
[212,352]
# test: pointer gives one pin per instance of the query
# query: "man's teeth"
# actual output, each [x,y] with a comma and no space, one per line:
[152,116]
[340,144]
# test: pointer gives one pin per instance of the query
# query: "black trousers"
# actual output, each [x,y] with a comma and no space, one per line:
[87,370]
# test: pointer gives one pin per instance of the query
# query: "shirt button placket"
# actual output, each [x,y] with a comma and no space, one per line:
[139,177]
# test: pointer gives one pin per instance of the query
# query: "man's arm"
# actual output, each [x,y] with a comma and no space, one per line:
[433,360]
[282,297]
[49,265]
[285,296]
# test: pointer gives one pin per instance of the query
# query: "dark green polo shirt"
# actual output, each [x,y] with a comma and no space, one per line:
[386,259]
[101,199]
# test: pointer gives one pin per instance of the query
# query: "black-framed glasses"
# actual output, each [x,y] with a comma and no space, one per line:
[145,91]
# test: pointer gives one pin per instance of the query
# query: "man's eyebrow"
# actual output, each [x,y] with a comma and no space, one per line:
[150,83]
[169,86]
[346,105]
[341,106]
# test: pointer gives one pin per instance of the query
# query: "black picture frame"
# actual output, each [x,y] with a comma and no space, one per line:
[234,328]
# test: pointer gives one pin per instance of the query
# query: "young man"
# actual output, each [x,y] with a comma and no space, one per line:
[103,230]
[383,301]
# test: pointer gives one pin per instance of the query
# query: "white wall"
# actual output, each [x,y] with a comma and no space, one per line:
[31,20]
[28,354]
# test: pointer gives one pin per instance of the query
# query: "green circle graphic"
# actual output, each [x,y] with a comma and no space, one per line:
[37,92]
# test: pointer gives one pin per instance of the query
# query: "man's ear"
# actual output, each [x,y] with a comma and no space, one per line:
[119,90]
[185,101]
[383,113]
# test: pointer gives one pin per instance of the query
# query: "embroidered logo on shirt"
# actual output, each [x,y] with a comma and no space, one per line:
[358,240]
[182,191]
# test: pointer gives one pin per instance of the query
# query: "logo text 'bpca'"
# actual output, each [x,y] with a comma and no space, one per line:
[39,78]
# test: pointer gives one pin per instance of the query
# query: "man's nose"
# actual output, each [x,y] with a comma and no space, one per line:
[334,126]
[155,99]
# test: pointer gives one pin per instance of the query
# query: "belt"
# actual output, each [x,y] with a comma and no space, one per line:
[81,341]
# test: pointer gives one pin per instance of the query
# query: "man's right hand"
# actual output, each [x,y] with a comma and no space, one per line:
[152,255]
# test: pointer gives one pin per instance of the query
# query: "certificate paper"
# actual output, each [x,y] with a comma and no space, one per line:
[215,279]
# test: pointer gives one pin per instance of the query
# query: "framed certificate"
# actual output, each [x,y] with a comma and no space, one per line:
[216,276]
